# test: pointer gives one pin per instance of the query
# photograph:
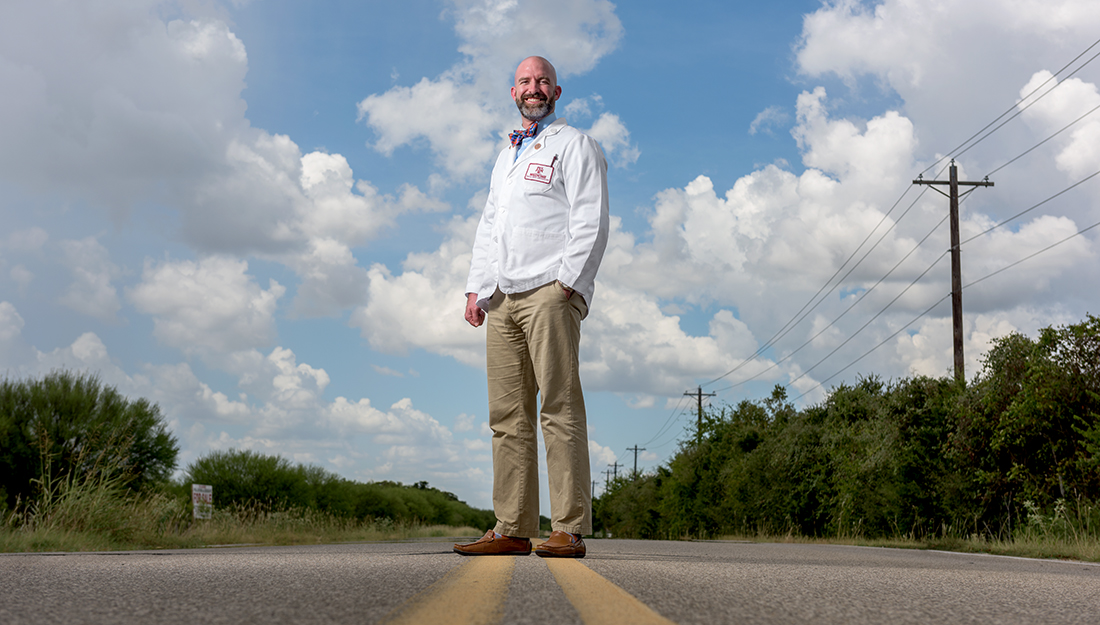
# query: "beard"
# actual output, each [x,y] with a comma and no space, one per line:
[535,112]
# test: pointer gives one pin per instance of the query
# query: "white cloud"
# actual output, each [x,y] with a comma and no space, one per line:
[598,456]
[24,241]
[11,323]
[573,34]
[127,102]
[614,138]
[582,107]
[495,35]
[461,142]
[423,306]
[21,276]
[979,52]
[464,423]
[210,306]
[120,108]
[86,353]
[1053,107]
[764,120]
[91,291]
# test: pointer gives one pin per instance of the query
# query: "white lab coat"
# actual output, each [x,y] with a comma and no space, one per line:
[546,217]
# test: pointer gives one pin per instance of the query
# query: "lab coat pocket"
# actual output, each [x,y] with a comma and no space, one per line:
[533,252]
[538,179]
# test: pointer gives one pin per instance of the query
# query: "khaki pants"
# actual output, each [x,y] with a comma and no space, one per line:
[532,344]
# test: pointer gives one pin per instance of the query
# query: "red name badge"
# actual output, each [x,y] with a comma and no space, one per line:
[539,173]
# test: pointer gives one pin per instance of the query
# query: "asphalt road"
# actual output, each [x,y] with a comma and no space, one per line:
[621,581]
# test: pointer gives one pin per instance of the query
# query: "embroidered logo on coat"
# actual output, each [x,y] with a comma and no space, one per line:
[539,173]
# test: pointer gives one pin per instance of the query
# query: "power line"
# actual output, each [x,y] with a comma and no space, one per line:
[615,468]
[667,422]
[940,301]
[1030,256]
[955,153]
[1028,210]
[879,313]
[964,146]
[699,394]
[797,319]
[953,185]
[846,311]
[1063,191]
[635,449]
[868,352]
[1029,150]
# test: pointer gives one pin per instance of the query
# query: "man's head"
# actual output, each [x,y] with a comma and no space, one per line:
[536,89]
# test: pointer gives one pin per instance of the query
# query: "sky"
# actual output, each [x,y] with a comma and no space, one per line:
[258,213]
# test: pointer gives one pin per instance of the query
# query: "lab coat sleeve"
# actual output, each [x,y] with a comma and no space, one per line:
[584,171]
[479,278]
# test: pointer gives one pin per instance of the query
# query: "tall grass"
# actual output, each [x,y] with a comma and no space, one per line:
[96,511]
[1067,531]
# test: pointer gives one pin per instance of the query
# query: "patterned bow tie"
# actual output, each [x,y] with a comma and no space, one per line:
[519,135]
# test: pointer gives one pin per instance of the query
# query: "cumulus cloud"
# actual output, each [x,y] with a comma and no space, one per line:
[25,241]
[614,138]
[119,107]
[752,256]
[1051,106]
[422,307]
[764,120]
[494,36]
[91,291]
[11,323]
[209,306]
[979,51]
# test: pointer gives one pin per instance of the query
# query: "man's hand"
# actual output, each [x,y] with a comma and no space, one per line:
[474,314]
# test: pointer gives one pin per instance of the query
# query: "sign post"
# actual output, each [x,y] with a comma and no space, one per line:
[202,497]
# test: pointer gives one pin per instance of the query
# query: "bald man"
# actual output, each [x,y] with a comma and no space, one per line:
[538,246]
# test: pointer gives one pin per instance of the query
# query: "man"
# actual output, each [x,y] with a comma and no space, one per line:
[538,246]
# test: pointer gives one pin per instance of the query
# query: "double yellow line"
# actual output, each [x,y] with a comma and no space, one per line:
[474,594]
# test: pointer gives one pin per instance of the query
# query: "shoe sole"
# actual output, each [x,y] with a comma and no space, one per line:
[547,554]
[492,553]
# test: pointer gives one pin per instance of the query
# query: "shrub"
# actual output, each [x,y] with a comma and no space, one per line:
[244,477]
[69,425]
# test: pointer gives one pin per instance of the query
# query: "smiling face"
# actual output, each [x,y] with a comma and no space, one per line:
[536,89]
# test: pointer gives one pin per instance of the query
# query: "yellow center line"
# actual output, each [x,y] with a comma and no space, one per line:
[598,601]
[470,594]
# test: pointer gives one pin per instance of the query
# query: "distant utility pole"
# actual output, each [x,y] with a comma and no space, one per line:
[615,468]
[635,449]
[593,486]
[956,258]
[607,478]
[699,395]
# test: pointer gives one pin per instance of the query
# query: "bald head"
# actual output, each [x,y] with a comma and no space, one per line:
[536,89]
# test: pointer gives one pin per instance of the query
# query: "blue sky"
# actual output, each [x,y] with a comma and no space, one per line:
[258,213]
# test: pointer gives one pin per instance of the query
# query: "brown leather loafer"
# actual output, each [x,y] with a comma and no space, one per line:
[490,545]
[561,545]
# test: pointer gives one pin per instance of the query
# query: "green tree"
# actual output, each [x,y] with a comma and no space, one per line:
[72,425]
[244,477]
[1026,431]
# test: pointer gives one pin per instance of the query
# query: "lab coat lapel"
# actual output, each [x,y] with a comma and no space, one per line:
[540,145]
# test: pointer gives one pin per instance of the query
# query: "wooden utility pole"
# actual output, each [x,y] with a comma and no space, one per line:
[635,449]
[699,395]
[615,469]
[956,259]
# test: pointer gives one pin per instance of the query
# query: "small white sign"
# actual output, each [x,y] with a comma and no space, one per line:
[202,497]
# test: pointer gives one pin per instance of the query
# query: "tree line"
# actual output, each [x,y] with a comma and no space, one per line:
[71,427]
[917,457]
